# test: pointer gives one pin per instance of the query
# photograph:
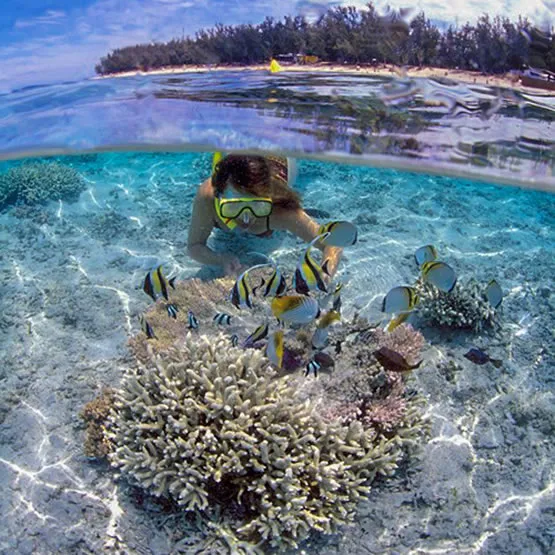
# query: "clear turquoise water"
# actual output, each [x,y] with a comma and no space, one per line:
[71,297]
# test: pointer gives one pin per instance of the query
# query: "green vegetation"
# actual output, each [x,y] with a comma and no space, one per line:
[348,35]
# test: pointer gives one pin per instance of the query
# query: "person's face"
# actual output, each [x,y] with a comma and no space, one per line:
[246,220]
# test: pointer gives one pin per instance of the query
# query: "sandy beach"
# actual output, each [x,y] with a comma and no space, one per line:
[474,77]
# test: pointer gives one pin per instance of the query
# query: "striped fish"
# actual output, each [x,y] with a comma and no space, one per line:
[172,310]
[234,340]
[427,253]
[295,309]
[241,294]
[192,322]
[400,299]
[312,366]
[339,234]
[309,275]
[274,348]
[155,284]
[439,274]
[146,328]
[222,318]
[260,333]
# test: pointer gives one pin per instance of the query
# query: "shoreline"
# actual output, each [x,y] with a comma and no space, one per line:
[388,70]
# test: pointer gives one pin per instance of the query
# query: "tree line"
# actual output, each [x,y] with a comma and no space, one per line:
[348,35]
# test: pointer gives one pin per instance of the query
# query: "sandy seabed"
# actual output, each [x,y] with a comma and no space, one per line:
[71,274]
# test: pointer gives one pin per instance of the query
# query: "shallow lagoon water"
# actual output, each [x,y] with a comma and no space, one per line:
[71,276]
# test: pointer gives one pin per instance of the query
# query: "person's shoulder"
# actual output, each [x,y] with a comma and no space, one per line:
[206,189]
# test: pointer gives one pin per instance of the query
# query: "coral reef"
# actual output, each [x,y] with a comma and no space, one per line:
[95,414]
[362,390]
[207,424]
[464,307]
[36,183]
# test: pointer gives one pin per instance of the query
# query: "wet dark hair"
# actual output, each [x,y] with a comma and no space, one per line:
[256,175]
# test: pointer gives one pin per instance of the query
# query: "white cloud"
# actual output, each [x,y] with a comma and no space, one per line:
[51,17]
[71,50]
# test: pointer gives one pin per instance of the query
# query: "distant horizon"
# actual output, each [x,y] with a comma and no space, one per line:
[57,40]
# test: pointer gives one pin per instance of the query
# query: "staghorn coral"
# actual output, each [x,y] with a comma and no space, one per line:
[36,183]
[95,413]
[207,424]
[464,307]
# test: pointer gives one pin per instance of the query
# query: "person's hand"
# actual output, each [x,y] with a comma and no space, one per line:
[232,265]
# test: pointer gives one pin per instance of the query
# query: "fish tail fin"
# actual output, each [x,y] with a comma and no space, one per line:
[496,362]
[325,268]
[396,321]
[171,281]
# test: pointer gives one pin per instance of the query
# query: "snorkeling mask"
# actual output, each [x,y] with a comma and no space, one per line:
[231,209]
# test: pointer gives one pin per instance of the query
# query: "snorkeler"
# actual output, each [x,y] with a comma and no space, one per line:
[250,194]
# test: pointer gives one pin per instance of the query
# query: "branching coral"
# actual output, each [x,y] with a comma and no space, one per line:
[35,183]
[207,423]
[464,307]
[95,414]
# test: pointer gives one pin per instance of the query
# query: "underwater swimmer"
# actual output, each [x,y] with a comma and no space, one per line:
[249,194]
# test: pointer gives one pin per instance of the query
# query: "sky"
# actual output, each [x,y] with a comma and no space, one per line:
[43,41]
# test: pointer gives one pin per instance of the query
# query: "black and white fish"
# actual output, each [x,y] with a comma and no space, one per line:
[192,322]
[222,319]
[146,327]
[172,310]
[312,366]
[260,333]
[235,340]
[241,293]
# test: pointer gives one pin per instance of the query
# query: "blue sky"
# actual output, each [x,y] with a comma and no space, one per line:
[52,40]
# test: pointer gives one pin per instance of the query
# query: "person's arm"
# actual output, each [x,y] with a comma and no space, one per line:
[200,228]
[302,225]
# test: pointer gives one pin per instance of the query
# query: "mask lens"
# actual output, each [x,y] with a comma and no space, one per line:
[261,208]
[231,209]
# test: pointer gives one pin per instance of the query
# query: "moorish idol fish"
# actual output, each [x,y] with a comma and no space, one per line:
[222,318]
[275,285]
[424,254]
[493,293]
[260,333]
[295,309]
[156,284]
[320,337]
[192,322]
[341,234]
[393,361]
[400,299]
[146,327]
[172,310]
[274,348]
[309,275]
[439,274]
[241,293]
